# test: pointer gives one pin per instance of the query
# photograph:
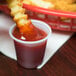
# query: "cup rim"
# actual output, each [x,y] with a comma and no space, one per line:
[31,42]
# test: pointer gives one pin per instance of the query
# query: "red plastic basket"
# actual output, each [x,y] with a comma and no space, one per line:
[5,9]
[52,17]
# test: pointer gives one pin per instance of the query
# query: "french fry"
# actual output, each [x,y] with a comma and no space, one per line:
[18,14]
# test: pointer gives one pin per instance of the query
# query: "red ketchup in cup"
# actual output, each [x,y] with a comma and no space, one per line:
[30,50]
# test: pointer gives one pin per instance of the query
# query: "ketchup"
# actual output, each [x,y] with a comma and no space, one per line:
[36,34]
[27,56]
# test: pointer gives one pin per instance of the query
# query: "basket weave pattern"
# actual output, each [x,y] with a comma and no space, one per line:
[52,17]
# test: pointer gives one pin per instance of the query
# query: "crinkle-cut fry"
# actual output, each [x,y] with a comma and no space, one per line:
[42,3]
[10,1]
[23,25]
[23,22]
[16,10]
[66,1]
[13,4]
[66,7]
[19,16]
[27,2]
[69,1]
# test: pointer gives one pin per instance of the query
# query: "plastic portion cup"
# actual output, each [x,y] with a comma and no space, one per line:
[30,54]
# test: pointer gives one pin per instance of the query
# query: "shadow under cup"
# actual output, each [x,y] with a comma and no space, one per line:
[30,54]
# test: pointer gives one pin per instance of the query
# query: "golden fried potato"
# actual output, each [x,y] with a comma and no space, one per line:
[40,3]
[13,4]
[66,1]
[66,7]
[27,2]
[18,12]
[23,22]
[19,16]
[17,9]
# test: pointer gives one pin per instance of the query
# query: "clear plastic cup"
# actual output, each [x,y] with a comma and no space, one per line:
[30,54]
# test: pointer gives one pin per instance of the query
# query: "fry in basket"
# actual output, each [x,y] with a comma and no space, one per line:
[40,3]
[66,1]
[66,7]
